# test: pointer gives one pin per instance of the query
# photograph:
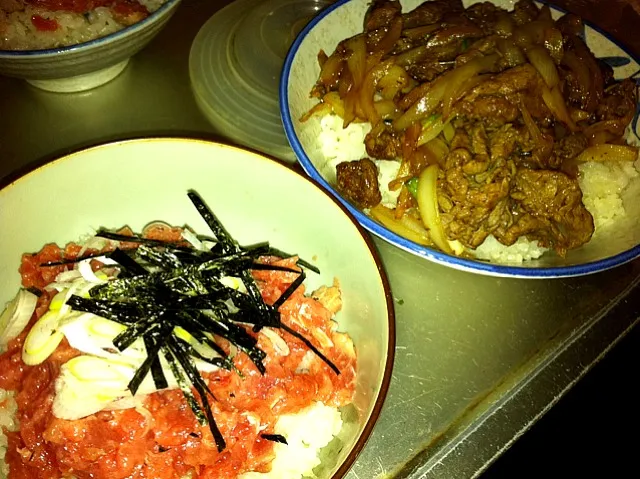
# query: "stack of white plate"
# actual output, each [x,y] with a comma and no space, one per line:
[235,65]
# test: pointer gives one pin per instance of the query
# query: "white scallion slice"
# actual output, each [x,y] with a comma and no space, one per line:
[43,338]
[67,276]
[16,315]
[279,345]
[233,282]
[192,239]
[85,269]
[76,397]
[94,335]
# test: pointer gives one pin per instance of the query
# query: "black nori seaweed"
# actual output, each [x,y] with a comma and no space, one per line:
[164,285]
[275,438]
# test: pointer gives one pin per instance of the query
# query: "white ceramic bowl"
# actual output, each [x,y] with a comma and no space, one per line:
[85,65]
[345,19]
[257,199]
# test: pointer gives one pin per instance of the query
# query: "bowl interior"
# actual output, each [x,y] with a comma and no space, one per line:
[136,182]
[344,19]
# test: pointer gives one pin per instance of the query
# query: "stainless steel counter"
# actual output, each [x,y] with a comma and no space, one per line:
[478,359]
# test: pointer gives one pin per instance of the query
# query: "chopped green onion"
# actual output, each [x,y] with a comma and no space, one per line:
[412,186]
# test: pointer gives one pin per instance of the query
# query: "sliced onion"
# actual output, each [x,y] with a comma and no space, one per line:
[388,41]
[554,43]
[504,25]
[428,206]
[393,82]
[449,132]
[418,33]
[304,366]
[368,90]
[587,79]
[331,70]
[319,109]
[322,338]
[431,129]
[16,315]
[424,106]
[554,101]
[608,152]
[456,78]
[387,109]
[609,129]
[577,115]
[201,348]
[542,61]
[337,104]
[357,59]
[454,32]
[512,54]
[61,298]
[438,148]
[350,107]
[386,217]
[534,131]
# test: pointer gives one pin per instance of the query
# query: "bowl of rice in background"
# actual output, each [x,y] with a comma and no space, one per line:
[610,189]
[256,199]
[78,45]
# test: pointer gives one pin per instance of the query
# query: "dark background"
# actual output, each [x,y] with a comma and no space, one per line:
[592,432]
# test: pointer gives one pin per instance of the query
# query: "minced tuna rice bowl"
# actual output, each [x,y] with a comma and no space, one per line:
[168,355]
[43,24]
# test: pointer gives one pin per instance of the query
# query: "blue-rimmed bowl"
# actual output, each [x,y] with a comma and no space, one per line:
[85,65]
[344,19]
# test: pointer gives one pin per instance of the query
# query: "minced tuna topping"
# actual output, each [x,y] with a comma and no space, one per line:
[160,437]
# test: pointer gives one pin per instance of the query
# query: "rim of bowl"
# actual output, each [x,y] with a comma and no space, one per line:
[7,182]
[126,31]
[436,256]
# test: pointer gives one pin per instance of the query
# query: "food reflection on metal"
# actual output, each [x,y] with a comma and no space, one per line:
[507,104]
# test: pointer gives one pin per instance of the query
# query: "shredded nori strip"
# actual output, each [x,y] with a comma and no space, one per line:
[225,243]
[275,438]
[295,333]
[34,290]
[128,263]
[290,290]
[163,285]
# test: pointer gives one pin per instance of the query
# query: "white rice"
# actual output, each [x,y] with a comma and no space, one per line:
[307,432]
[601,182]
[602,185]
[8,409]
[17,31]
